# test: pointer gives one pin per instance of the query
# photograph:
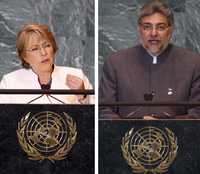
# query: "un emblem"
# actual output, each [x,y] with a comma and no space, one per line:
[46,135]
[149,149]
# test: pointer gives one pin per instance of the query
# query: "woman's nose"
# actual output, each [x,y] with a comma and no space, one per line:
[43,51]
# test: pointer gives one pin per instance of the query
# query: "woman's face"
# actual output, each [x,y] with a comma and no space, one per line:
[39,54]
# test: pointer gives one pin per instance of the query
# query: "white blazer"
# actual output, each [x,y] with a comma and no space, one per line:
[27,79]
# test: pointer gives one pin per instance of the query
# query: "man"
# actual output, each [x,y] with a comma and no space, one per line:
[155,70]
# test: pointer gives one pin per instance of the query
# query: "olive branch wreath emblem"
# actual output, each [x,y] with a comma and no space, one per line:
[34,154]
[137,167]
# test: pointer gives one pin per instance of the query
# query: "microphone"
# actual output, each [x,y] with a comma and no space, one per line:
[45,86]
[149,96]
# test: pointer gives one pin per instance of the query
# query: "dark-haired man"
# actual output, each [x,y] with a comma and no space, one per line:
[154,70]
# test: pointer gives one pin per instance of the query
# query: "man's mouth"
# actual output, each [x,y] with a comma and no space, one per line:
[154,41]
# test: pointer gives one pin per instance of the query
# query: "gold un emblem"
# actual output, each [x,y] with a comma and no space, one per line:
[149,150]
[46,135]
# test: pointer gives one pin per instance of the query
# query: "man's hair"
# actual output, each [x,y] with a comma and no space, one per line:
[157,6]
[26,32]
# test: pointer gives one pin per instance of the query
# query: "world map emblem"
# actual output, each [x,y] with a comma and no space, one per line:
[47,135]
[149,149]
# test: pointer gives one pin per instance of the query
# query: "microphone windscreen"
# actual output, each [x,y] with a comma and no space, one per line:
[148,96]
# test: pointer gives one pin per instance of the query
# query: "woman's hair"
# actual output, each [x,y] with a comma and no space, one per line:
[157,6]
[26,32]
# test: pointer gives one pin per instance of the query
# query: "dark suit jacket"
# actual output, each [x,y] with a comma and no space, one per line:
[129,75]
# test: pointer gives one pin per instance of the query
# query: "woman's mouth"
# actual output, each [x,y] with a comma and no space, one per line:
[45,61]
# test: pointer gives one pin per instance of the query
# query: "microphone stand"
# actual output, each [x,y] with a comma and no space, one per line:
[48,95]
[46,87]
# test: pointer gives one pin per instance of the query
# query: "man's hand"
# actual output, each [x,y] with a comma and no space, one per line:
[148,117]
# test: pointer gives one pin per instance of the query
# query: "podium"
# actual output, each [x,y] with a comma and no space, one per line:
[13,158]
[112,132]
[150,146]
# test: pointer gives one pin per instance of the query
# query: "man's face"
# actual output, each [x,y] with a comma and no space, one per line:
[155,33]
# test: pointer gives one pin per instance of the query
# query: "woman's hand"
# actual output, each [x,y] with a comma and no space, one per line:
[75,82]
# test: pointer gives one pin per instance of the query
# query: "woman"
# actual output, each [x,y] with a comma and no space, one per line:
[36,48]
